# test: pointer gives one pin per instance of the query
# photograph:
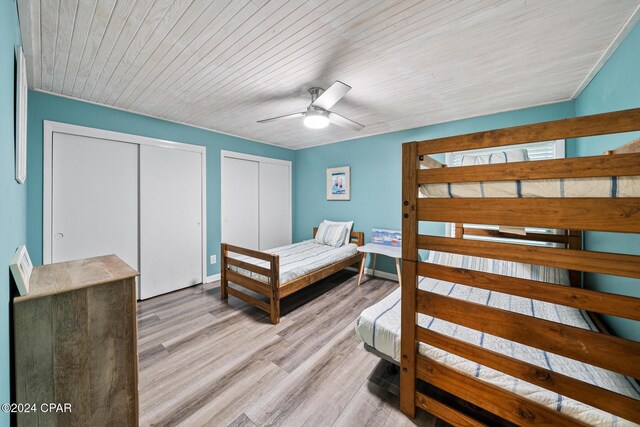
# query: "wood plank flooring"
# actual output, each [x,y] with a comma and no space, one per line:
[208,362]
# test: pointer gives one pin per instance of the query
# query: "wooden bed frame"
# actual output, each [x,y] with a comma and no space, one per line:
[577,214]
[273,290]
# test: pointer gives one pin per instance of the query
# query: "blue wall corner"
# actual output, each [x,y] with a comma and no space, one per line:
[615,87]
[13,201]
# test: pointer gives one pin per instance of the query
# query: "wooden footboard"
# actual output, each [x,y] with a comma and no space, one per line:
[273,289]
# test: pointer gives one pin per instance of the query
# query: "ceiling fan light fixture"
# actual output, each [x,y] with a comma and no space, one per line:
[315,119]
[318,114]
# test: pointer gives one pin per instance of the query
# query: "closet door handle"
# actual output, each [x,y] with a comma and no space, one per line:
[59,236]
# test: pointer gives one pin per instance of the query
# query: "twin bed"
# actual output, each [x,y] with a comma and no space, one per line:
[280,272]
[508,327]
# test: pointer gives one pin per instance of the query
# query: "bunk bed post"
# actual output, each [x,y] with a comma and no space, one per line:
[459,232]
[275,290]
[224,283]
[408,296]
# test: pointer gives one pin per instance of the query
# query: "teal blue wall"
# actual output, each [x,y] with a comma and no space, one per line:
[376,173]
[13,197]
[615,87]
[50,107]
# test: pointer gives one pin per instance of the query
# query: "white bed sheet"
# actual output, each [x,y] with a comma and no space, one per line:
[379,327]
[605,187]
[298,259]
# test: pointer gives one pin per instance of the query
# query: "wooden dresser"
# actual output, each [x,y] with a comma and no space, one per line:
[75,342]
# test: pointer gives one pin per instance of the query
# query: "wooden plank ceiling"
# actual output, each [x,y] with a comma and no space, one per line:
[224,64]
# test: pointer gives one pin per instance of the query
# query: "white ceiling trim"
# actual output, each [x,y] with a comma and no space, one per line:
[158,118]
[282,146]
[617,41]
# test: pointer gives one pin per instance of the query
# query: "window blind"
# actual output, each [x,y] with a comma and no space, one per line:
[536,151]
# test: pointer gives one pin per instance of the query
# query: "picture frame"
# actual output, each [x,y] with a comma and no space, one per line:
[21,268]
[21,117]
[339,183]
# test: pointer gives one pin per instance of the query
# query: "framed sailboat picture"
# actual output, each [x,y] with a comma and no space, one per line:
[339,183]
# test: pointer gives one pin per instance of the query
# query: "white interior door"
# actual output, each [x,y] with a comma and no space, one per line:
[240,202]
[275,205]
[170,220]
[94,205]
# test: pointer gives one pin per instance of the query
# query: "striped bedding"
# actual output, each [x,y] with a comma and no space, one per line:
[620,186]
[299,259]
[379,327]
[615,186]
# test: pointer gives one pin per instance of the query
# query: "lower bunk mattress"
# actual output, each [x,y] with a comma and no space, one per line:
[379,327]
[298,259]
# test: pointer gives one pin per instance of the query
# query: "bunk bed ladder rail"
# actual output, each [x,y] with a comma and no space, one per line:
[588,214]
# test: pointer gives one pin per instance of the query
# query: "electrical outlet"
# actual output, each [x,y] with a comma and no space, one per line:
[213,259]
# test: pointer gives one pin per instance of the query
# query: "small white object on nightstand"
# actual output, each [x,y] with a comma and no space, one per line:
[21,268]
[375,249]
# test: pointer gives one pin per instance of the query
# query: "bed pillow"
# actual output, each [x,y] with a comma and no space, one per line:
[506,156]
[348,224]
[331,234]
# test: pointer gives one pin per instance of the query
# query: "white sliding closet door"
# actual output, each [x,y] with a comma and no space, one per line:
[275,205]
[170,219]
[256,201]
[94,198]
[240,202]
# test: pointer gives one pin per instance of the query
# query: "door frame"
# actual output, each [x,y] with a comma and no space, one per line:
[259,159]
[51,127]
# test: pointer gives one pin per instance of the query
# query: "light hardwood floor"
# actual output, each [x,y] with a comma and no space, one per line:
[208,362]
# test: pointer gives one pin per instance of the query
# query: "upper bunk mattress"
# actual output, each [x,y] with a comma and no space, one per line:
[379,327]
[621,186]
[298,259]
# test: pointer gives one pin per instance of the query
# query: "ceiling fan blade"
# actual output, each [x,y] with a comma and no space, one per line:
[332,95]
[288,116]
[339,120]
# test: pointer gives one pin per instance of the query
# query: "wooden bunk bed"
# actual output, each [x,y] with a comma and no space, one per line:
[271,291]
[576,214]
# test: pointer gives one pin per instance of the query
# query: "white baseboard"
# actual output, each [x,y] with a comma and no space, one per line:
[212,278]
[381,274]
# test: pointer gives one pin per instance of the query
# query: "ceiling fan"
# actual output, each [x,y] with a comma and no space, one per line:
[318,115]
